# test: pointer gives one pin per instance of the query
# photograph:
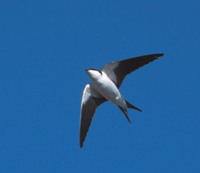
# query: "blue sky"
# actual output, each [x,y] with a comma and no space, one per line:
[45,47]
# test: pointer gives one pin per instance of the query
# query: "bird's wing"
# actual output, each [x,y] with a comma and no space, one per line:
[88,107]
[118,70]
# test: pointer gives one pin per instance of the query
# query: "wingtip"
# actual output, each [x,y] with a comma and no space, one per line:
[159,55]
[81,145]
[81,141]
[156,55]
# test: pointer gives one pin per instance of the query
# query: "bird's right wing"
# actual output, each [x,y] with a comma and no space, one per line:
[88,107]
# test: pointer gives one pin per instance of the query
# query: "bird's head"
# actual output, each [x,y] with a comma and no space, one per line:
[93,74]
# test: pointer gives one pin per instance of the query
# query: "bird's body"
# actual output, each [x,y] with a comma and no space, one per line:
[105,87]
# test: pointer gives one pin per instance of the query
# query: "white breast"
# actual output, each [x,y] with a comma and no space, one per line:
[109,90]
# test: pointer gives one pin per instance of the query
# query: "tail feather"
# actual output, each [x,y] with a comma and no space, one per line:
[125,113]
[131,106]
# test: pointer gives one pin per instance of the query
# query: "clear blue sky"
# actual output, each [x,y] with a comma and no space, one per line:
[45,47]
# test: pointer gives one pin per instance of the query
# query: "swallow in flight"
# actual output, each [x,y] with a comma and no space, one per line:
[105,87]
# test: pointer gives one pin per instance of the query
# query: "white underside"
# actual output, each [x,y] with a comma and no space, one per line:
[108,89]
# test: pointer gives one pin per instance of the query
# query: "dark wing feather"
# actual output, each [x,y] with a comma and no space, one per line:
[88,108]
[118,70]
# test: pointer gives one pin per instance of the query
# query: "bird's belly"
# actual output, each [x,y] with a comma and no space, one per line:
[109,90]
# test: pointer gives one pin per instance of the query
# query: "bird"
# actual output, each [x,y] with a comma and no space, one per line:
[105,87]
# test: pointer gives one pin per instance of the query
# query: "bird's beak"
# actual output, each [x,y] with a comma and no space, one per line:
[87,71]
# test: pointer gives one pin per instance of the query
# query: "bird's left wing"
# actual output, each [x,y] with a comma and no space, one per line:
[118,70]
[88,107]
